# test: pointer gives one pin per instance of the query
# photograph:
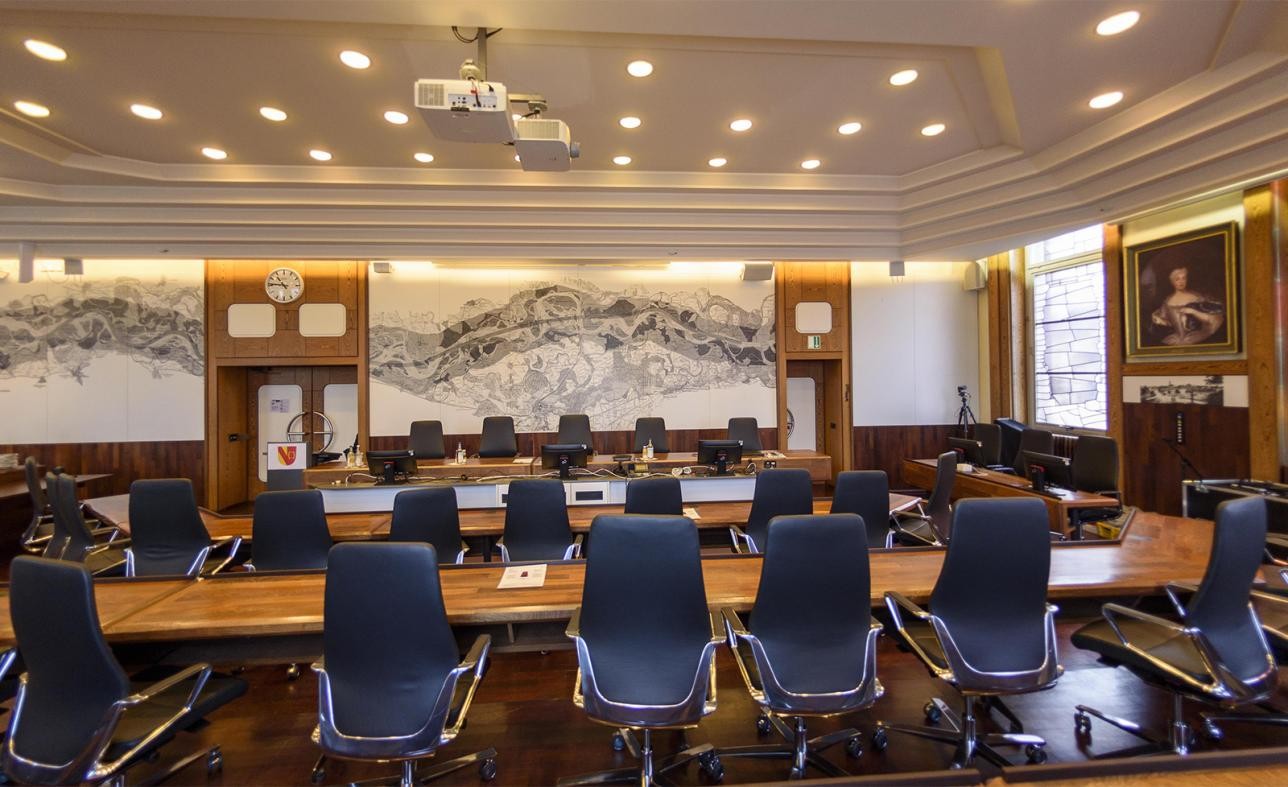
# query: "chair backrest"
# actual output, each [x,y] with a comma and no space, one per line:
[575,430]
[1220,607]
[990,440]
[61,533]
[659,496]
[498,437]
[746,430]
[992,589]
[39,501]
[939,507]
[167,535]
[70,526]
[426,440]
[289,531]
[866,493]
[536,520]
[654,429]
[1039,440]
[779,492]
[429,516]
[1095,464]
[385,639]
[72,677]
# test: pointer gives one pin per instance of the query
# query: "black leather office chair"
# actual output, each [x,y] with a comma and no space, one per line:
[389,690]
[167,535]
[78,718]
[866,493]
[933,526]
[426,440]
[1031,439]
[657,496]
[575,430]
[1215,652]
[536,523]
[498,437]
[747,431]
[813,640]
[74,538]
[990,631]
[990,441]
[645,641]
[35,538]
[1094,467]
[429,516]
[654,429]
[289,532]
[780,492]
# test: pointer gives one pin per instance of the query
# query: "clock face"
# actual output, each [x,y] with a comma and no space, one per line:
[284,285]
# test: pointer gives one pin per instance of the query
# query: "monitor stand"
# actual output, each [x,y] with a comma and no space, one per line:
[565,468]
[722,466]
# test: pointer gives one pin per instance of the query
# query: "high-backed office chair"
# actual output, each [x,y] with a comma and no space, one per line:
[990,440]
[78,718]
[575,430]
[645,647]
[429,516]
[780,492]
[536,522]
[1095,465]
[73,537]
[657,496]
[933,527]
[35,539]
[498,437]
[289,531]
[389,690]
[990,631]
[653,429]
[866,493]
[167,535]
[813,640]
[747,431]
[1031,439]
[426,440]
[1215,652]
[1271,606]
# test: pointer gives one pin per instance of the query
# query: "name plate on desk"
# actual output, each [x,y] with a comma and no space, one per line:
[286,463]
[523,577]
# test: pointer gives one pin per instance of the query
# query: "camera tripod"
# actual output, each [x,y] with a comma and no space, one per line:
[965,416]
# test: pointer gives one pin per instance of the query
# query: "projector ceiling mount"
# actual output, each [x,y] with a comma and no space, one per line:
[475,69]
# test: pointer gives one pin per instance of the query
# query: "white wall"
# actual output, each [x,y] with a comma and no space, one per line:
[914,342]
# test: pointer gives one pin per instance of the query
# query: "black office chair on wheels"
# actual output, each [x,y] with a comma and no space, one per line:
[990,443]
[430,516]
[656,496]
[1038,440]
[167,535]
[645,641]
[747,432]
[78,718]
[391,683]
[289,532]
[866,493]
[35,538]
[426,440]
[498,437]
[781,492]
[536,523]
[933,526]
[990,631]
[575,430]
[1094,467]
[73,539]
[651,429]
[812,641]
[1215,652]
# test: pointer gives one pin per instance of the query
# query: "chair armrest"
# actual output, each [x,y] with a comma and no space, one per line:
[201,672]
[233,543]
[460,556]
[1175,590]
[740,538]
[475,661]
[120,543]
[111,532]
[734,628]
[7,659]
[573,631]
[898,605]
[1212,663]
[739,637]
[574,549]
[476,658]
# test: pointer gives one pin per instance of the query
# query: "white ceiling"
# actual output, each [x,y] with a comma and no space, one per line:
[1023,153]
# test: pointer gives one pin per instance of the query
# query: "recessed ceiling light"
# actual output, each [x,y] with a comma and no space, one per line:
[320,155]
[424,158]
[44,49]
[272,113]
[849,128]
[31,109]
[214,153]
[146,112]
[810,163]
[933,130]
[718,161]
[621,161]
[629,122]
[1105,100]
[639,68]
[1118,23]
[905,77]
[741,124]
[354,59]
[396,117]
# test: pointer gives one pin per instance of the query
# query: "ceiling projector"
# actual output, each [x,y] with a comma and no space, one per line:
[544,145]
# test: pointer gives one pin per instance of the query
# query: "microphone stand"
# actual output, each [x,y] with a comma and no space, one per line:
[1186,464]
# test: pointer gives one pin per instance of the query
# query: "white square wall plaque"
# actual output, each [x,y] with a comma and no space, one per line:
[252,320]
[323,319]
[814,317]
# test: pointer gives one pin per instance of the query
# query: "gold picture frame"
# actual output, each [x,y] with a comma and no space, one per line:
[1182,295]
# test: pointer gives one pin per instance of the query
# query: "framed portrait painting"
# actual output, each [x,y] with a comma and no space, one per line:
[1182,294]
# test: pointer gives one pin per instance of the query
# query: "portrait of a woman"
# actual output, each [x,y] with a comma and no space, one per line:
[1186,316]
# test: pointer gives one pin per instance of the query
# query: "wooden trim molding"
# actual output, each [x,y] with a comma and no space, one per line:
[1113,256]
[1000,326]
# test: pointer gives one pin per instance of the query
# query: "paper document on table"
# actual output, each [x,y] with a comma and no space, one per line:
[774,455]
[691,512]
[523,460]
[523,577]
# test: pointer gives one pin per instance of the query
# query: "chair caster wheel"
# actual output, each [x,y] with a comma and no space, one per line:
[711,767]
[1211,731]
[854,746]
[619,742]
[880,739]
[795,775]
[932,711]
[214,761]
[293,672]
[487,770]
[317,776]
[1082,725]
[1036,755]
[763,725]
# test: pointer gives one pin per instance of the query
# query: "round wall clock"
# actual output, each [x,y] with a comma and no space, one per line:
[284,285]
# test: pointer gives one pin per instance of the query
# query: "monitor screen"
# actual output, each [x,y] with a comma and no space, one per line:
[717,452]
[564,457]
[390,466]
[1057,468]
[971,450]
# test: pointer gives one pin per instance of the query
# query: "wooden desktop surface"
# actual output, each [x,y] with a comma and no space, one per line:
[818,465]
[474,467]
[12,490]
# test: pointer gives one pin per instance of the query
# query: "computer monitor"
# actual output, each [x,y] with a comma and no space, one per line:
[1055,469]
[970,450]
[720,454]
[1011,430]
[563,457]
[390,467]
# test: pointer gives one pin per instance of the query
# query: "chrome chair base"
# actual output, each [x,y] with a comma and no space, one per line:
[1178,740]
[650,771]
[962,732]
[411,775]
[804,752]
[1212,721]
[212,755]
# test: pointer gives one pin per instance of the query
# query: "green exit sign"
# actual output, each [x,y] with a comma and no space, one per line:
[814,342]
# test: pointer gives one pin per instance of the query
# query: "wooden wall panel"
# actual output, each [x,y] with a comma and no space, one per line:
[805,282]
[1216,442]
[1260,327]
[127,462]
[1001,325]
[885,447]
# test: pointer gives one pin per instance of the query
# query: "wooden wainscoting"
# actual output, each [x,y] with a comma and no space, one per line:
[126,462]
[885,447]
[1216,441]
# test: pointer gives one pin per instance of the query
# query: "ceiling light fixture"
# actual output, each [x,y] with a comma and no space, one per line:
[146,112]
[1117,23]
[272,113]
[629,122]
[214,153]
[621,161]
[849,128]
[741,124]
[354,59]
[424,158]
[639,68]
[810,163]
[933,130]
[45,50]
[1105,100]
[31,109]
[905,77]
[320,155]
[718,161]
[396,117]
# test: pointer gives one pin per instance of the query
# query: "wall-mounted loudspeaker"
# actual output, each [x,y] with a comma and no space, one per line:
[26,261]
[975,277]
[757,271]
